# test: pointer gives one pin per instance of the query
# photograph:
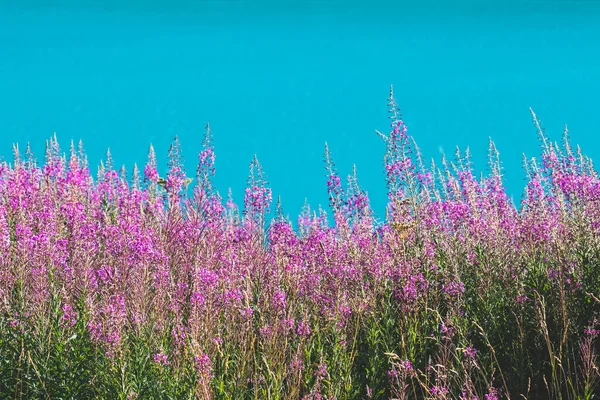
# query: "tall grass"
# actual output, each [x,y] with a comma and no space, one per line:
[133,286]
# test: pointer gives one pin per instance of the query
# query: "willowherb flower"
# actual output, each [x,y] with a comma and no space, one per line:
[179,334]
[447,331]
[321,371]
[150,172]
[334,185]
[439,391]
[257,197]
[405,366]
[334,188]
[217,340]
[303,328]
[197,299]
[492,395]
[161,358]
[592,332]
[4,230]
[470,352]
[296,365]
[287,324]
[467,396]
[203,365]
[247,312]
[279,300]
[453,289]
[104,274]
[344,313]
[206,165]
[233,297]
[265,331]
[69,317]
[521,298]
[95,328]
[14,323]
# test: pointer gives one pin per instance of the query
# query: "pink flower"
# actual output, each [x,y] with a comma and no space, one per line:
[161,358]
[303,329]
[69,317]
[469,351]
[203,365]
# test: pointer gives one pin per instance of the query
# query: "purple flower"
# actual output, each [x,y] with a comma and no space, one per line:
[303,329]
[69,317]
[439,391]
[591,332]
[469,351]
[296,365]
[492,395]
[203,365]
[279,300]
[321,370]
[453,289]
[161,358]
[447,331]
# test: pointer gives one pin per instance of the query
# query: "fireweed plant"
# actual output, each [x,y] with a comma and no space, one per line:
[144,287]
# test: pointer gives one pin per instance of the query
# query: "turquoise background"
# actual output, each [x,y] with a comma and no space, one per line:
[279,78]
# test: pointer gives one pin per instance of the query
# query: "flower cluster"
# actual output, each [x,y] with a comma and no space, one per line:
[457,287]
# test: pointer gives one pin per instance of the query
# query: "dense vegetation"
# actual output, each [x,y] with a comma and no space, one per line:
[141,287]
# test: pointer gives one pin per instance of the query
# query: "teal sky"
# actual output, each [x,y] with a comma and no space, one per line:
[279,81]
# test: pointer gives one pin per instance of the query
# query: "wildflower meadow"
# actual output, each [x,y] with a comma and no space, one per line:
[126,285]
